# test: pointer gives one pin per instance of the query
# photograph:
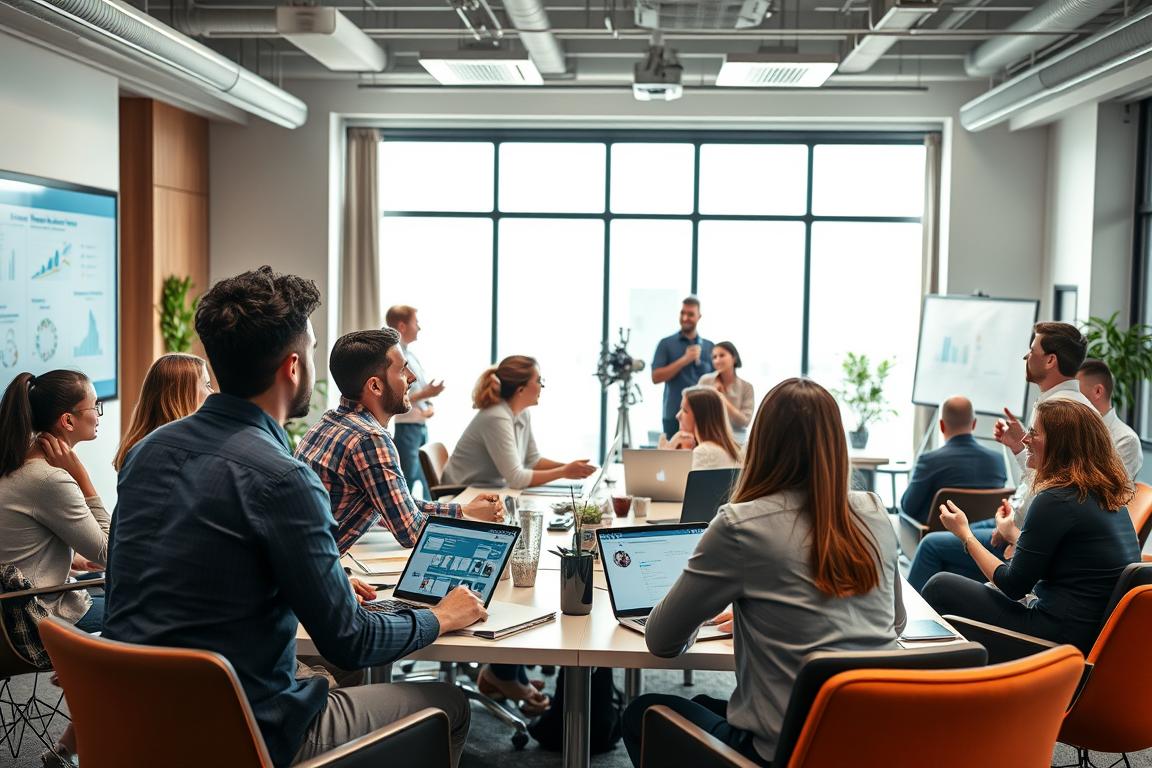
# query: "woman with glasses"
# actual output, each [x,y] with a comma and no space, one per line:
[175,386]
[51,519]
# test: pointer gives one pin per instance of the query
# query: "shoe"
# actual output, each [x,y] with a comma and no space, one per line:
[532,701]
[59,757]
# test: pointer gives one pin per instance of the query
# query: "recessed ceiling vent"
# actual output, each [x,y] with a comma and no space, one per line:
[481,67]
[775,70]
[713,14]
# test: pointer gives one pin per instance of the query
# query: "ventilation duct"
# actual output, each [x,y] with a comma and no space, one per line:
[1059,16]
[140,36]
[530,18]
[1114,48]
[887,16]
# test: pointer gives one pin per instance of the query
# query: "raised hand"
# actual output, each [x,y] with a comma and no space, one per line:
[1008,431]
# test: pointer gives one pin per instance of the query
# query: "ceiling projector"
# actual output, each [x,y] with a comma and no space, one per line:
[657,78]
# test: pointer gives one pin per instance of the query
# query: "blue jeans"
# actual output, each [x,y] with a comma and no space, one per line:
[93,621]
[704,711]
[408,439]
[941,552]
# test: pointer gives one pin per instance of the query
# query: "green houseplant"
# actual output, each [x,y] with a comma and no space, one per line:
[297,428]
[576,563]
[177,314]
[1127,352]
[863,394]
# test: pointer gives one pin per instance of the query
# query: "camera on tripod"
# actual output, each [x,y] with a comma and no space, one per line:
[616,365]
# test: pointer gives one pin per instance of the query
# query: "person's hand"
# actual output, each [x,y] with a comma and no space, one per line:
[434,388]
[60,455]
[81,563]
[692,354]
[362,590]
[723,621]
[1008,431]
[1009,551]
[954,519]
[460,608]
[682,441]
[487,507]
[663,441]
[577,470]
[428,411]
[1006,523]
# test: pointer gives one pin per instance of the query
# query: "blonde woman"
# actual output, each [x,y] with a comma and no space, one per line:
[705,429]
[175,386]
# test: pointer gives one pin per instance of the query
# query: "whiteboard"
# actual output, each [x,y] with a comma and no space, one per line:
[974,346]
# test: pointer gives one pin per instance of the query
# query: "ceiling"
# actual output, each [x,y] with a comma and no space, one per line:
[601,41]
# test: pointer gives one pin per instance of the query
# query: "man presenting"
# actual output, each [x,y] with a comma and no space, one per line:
[679,362]
[409,427]
[353,455]
[960,463]
[222,541]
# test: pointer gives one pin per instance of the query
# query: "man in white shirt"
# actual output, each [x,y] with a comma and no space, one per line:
[409,429]
[1097,383]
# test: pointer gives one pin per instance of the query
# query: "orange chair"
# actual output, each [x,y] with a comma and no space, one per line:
[433,458]
[1016,709]
[136,706]
[1140,508]
[977,503]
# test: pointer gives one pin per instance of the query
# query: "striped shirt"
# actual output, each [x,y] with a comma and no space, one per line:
[357,461]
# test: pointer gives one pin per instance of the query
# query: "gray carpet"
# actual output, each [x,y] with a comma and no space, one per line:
[489,743]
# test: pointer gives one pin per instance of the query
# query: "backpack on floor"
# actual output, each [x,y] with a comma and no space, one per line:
[607,706]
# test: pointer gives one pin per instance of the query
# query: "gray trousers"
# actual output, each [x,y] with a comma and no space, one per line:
[358,710]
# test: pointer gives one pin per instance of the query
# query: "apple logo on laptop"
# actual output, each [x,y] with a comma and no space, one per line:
[660,477]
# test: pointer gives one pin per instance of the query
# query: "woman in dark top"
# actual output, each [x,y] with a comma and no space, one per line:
[1076,540]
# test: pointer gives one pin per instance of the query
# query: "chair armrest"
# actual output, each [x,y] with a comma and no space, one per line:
[1002,644]
[671,739]
[439,491]
[71,586]
[420,740]
[911,532]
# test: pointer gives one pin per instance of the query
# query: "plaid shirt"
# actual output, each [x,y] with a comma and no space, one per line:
[21,615]
[358,464]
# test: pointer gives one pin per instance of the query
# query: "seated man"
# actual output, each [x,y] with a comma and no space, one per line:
[222,541]
[355,457]
[1097,383]
[960,463]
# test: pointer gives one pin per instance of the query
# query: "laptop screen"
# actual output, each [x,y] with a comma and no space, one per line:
[642,564]
[452,552]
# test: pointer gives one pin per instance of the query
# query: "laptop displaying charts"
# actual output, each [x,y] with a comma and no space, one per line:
[659,474]
[706,491]
[452,552]
[642,563]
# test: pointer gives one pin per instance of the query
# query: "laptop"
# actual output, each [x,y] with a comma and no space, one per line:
[451,552]
[659,474]
[642,563]
[581,489]
[707,490]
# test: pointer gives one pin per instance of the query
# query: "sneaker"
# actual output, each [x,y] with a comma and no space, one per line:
[59,757]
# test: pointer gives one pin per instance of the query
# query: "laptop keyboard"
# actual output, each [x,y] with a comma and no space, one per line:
[641,620]
[389,606]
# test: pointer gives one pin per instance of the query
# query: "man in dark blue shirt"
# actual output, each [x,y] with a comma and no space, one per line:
[960,463]
[679,362]
[222,541]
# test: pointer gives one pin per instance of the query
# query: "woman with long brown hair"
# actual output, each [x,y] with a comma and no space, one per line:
[1077,537]
[805,564]
[175,386]
[705,429]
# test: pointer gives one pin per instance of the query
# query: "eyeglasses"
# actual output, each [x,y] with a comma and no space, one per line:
[99,408]
[540,381]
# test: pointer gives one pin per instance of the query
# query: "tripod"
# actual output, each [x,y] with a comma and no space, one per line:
[623,437]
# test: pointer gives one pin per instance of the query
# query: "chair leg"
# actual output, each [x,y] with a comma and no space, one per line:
[689,679]
[36,714]
[1084,760]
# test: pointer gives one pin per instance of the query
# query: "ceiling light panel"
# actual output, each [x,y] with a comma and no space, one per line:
[481,68]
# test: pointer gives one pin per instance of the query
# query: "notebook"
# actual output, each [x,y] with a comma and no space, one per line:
[452,552]
[642,563]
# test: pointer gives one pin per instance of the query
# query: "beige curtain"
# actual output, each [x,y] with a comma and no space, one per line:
[930,272]
[360,253]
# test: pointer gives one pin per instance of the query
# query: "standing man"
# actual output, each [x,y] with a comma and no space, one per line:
[221,541]
[409,428]
[679,362]
[1097,383]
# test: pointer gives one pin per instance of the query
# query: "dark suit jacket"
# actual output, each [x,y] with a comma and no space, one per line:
[959,463]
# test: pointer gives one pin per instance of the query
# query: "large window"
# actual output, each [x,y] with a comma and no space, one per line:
[801,249]
[1142,260]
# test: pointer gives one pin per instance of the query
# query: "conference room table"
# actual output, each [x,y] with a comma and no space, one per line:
[575,643]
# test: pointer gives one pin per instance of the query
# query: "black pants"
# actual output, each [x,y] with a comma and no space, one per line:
[708,713]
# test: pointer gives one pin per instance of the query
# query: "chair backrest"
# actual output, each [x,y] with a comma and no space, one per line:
[1134,575]
[420,740]
[671,739]
[131,703]
[820,666]
[12,663]
[977,503]
[1106,712]
[1015,708]
[433,457]
[1140,508]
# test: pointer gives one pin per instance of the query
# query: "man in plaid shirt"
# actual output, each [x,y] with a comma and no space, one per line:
[355,457]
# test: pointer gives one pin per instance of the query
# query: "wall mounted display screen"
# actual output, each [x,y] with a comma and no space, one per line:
[58,280]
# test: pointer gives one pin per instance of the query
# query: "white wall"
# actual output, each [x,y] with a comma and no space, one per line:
[61,121]
[1114,210]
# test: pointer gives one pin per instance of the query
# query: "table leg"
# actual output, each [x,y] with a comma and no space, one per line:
[577,711]
[381,673]
[633,684]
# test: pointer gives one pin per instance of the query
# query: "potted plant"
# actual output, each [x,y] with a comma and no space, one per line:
[576,563]
[177,314]
[863,394]
[1128,353]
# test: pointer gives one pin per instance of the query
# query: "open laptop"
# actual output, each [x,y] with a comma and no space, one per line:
[451,552]
[582,489]
[706,491]
[642,563]
[659,474]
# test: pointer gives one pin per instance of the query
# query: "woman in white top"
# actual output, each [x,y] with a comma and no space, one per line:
[704,428]
[51,520]
[739,398]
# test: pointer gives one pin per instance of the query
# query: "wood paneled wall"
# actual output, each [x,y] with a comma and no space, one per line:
[163,226]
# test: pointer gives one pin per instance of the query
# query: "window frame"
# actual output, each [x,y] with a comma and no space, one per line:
[1140,305]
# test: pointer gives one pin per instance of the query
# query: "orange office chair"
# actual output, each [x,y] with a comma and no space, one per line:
[1140,508]
[131,703]
[977,503]
[1016,709]
[433,458]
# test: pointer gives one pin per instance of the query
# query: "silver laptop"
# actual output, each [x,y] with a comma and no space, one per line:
[642,563]
[660,474]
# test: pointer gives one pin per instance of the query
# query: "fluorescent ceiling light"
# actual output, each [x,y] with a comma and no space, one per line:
[481,67]
[775,70]
[887,16]
[328,36]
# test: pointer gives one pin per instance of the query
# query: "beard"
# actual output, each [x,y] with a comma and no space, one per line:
[395,404]
[301,401]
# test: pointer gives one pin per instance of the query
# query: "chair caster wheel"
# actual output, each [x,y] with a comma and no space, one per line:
[519,740]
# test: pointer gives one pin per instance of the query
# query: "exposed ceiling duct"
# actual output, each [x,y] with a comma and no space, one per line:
[1122,45]
[138,35]
[530,18]
[1059,16]
[887,16]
